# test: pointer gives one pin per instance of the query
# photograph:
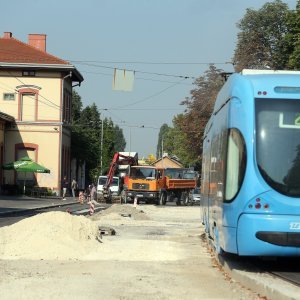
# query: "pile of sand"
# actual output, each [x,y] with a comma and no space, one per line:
[51,235]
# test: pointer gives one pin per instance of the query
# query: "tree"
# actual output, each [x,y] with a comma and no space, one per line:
[184,139]
[113,141]
[119,140]
[199,108]
[76,107]
[161,136]
[86,138]
[293,38]
[78,140]
[262,40]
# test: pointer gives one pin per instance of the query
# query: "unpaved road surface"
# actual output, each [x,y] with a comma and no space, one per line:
[157,253]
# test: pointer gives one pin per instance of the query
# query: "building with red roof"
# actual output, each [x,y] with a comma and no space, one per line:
[35,96]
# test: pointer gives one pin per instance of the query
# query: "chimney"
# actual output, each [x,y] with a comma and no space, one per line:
[7,35]
[38,41]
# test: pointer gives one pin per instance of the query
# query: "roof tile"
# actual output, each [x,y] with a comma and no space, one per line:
[15,51]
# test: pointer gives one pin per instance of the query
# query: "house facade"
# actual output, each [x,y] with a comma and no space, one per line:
[36,92]
[167,162]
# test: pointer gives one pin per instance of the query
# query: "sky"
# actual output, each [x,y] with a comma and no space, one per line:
[168,43]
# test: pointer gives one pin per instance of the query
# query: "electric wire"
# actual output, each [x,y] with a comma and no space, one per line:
[136,77]
[151,63]
[138,71]
[151,96]
[49,102]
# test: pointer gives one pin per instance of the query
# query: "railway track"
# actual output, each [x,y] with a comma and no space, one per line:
[284,268]
[287,269]
[74,209]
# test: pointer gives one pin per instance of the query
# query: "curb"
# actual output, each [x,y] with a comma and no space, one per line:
[20,211]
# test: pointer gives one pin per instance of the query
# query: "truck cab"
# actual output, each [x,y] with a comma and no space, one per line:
[143,183]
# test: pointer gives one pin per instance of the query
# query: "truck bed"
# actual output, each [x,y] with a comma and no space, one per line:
[172,183]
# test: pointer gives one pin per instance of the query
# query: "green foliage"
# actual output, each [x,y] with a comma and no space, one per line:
[293,38]
[184,139]
[262,39]
[119,140]
[269,38]
[76,107]
[161,140]
[87,137]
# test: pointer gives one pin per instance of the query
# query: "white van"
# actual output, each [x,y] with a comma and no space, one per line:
[114,187]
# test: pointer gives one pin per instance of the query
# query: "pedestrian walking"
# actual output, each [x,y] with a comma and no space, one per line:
[74,186]
[93,192]
[65,185]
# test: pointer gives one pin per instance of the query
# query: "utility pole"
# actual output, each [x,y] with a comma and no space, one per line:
[129,140]
[101,159]
[162,151]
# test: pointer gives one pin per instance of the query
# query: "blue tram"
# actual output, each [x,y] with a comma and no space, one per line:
[250,190]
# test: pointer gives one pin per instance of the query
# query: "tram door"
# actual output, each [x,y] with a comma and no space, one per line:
[205,185]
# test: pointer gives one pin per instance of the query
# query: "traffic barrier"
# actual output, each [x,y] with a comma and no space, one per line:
[92,207]
[81,197]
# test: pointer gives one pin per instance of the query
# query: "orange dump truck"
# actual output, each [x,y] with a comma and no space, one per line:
[158,186]
[177,185]
[143,183]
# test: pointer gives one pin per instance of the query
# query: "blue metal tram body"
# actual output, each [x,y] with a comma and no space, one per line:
[250,189]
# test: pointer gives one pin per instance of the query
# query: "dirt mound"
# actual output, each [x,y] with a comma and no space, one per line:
[51,235]
[118,212]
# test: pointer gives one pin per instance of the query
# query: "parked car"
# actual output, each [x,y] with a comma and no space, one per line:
[114,187]
[195,196]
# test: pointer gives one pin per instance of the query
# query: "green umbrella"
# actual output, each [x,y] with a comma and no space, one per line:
[25,164]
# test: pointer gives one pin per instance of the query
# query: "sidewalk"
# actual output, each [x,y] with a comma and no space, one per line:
[20,203]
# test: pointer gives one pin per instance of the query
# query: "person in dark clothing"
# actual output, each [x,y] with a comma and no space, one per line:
[65,185]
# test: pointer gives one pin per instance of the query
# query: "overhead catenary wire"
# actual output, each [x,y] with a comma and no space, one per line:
[124,107]
[151,96]
[137,71]
[136,77]
[152,62]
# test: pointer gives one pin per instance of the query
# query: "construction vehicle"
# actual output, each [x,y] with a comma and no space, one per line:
[150,184]
[114,186]
[118,160]
[156,185]
[143,183]
[140,182]
[178,183]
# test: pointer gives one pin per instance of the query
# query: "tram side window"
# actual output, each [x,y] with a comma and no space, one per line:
[236,163]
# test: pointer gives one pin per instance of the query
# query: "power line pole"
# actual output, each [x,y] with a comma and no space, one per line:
[162,151]
[101,160]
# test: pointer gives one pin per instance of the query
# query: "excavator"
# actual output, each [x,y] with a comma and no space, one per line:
[118,159]
[142,182]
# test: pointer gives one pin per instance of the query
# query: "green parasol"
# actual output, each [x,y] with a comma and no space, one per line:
[25,164]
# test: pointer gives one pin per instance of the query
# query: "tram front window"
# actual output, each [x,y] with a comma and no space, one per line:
[278,144]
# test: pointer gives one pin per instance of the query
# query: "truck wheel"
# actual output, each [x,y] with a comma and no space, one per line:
[162,199]
[185,200]
[123,197]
